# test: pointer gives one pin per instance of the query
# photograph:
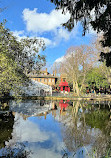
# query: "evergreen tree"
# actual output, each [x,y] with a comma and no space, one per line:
[95,13]
[17,58]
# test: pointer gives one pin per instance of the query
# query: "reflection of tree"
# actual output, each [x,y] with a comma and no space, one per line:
[99,118]
[75,133]
[17,152]
[86,126]
[9,147]
[6,127]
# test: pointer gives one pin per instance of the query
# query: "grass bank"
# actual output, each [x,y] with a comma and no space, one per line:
[73,98]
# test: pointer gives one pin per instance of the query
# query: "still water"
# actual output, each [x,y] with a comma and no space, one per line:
[63,129]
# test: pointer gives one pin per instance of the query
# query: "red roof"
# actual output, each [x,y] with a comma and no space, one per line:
[66,83]
[63,84]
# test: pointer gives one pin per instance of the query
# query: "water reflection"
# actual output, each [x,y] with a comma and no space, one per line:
[88,126]
[6,127]
[46,129]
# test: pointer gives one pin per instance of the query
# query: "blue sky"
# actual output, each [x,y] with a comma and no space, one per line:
[38,18]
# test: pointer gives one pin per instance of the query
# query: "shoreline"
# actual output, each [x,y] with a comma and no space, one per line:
[107,97]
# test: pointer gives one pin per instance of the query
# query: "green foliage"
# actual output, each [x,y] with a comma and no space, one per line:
[96,78]
[17,58]
[97,119]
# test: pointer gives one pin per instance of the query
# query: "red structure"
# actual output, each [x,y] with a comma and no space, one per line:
[63,104]
[64,86]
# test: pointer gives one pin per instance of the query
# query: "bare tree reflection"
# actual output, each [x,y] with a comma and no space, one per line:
[18,152]
[88,125]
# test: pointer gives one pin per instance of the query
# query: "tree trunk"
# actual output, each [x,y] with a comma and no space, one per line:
[74,87]
[77,88]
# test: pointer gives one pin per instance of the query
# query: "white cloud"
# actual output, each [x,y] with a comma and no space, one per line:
[18,33]
[22,131]
[49,23]
[30,132]
[63,58]
[48,42]
[64,34]
[59,60]
[42,22]
[21,34]
[61,34]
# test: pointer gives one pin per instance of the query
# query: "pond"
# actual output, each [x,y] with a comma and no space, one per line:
[55,129]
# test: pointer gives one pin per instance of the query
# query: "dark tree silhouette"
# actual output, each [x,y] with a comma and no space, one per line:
[80,10]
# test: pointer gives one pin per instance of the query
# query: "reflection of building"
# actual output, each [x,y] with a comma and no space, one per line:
[44,77]
[31,107]
[63,106]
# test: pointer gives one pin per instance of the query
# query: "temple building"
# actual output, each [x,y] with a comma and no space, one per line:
[63,76]
[45,77]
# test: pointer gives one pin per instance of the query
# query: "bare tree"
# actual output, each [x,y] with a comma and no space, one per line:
[78,60]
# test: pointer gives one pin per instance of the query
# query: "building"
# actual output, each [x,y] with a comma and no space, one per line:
[63,76]
[44,77]
[34,88]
